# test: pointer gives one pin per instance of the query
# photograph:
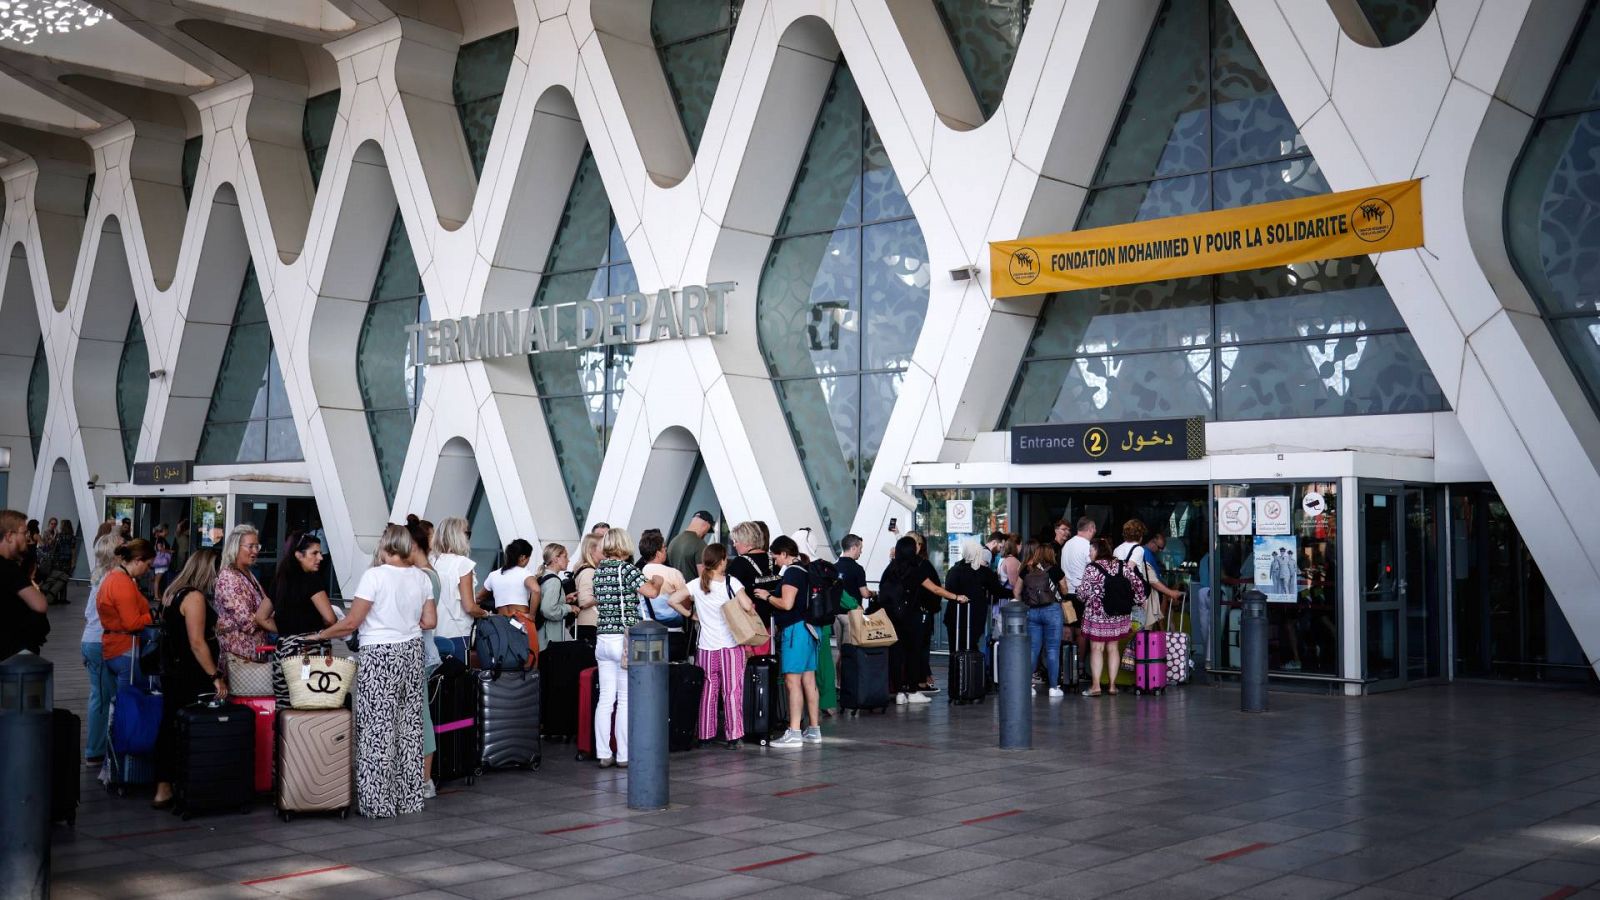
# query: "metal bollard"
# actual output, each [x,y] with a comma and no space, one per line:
[1016,679]
[647,716]
[1253,647]
[26,699]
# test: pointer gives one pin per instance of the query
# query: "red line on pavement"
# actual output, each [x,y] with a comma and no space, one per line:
[1234,854]
[134,834]
[571,828]
[1561,893]
[295,874]
[906,744]
[803,790]
[772,862]
[1009,812]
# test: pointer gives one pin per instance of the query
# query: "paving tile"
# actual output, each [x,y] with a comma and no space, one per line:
[1296,887]
[1562,872]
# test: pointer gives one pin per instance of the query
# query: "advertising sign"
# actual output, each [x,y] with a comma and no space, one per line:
[1277,567]
[1327,226]
[1136,441]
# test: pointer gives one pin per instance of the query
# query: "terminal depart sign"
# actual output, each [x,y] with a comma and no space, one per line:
[1143,440]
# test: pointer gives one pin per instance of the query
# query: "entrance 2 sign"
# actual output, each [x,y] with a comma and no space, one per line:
[1141,440]
[1327,226]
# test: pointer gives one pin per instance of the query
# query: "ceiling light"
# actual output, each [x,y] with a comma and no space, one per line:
[22,21]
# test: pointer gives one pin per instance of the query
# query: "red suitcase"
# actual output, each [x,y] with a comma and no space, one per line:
[588,699]
[1149,662]
[266,712]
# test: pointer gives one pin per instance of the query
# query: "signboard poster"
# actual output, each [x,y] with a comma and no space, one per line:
[1272,515]
[1233,516]
[953,547]
[957,516]
[1277,567]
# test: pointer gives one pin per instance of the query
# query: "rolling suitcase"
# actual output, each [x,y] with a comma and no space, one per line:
[967,682]
[316,750]
[588,701]
[266,724]
[685,683]
[766,703]
[216,758]
[559,667]
[1149,662]
[508,716]
[453,704]
[1070,676]
[66,730]
[864,678]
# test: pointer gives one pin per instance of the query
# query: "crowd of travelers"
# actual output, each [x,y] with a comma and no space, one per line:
[418,603]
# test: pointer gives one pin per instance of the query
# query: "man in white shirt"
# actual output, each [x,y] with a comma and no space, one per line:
[1075,556]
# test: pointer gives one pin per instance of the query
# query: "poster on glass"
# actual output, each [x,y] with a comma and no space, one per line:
[1277,568]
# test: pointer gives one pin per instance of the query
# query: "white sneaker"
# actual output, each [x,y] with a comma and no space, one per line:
[428,790]
[915,697]
[1057,692]
[790,740]
[812,735]
[900,699]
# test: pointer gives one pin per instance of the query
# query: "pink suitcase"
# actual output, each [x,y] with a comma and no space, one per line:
[1149,662]
[266,711]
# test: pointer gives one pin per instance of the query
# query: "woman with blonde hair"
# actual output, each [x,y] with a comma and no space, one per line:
[393,605]
[752,565]
[189,656]
[618,585]
[102,684]
[552,595]
[238,595]
[584,606]
[452,560]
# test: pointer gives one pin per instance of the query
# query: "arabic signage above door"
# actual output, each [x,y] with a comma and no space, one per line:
[1145,440]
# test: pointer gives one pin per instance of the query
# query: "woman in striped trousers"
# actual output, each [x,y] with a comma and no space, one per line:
[719,654]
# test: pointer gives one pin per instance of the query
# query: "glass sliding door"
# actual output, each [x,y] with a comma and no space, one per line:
[1401,610]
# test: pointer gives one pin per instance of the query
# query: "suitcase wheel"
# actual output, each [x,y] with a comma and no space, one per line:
[285,815]
[344,813]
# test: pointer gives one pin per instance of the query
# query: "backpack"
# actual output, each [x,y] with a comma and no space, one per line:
[1038,590]
[892,595]
[565,590]
[827,593]
[1118,597]
[501,646]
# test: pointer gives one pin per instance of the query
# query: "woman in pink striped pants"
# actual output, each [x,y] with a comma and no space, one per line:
[721,657]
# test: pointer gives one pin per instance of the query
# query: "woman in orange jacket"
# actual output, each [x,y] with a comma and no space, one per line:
[124,611]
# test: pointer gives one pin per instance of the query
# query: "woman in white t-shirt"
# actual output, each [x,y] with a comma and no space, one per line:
[719,655]
[452,560]
[512,585]
[392,607]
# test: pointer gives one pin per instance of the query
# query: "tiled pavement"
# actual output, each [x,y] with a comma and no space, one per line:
[1469,790]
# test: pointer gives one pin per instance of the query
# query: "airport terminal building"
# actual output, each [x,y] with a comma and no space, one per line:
[546,263]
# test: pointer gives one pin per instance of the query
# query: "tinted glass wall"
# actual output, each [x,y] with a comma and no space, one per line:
[390,380]
[842,298]
[316,130]
[249,419]
[133,387]
[985,35]
[1202,129]
[692,38]
[1553,206]
[479,82]
[38,398]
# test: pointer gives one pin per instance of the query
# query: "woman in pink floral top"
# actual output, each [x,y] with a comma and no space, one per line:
[238,594]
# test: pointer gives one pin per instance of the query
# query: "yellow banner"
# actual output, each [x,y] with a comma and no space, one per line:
[1327,226]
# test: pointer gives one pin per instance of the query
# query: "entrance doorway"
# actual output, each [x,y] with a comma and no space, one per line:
[1401,614]
[276,518]
[1179,511]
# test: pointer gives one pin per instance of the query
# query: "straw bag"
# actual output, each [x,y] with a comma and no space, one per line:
[249,678]
[319,682]
[873,630]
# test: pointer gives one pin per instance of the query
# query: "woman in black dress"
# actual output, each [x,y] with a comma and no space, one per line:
[298,608]
[189,657]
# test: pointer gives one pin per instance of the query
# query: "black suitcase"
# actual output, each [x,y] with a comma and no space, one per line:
[559,665]
[216,765]
[1069,665]
[863,678]
[453,704]
[66,729]
[508,716]
[685,683]
[967,678]
[766,703]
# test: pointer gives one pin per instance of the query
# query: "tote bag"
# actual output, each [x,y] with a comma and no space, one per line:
[319,681]
[744,625]
[873,630]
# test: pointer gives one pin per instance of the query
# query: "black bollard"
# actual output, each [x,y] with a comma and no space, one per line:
[26,698]
[1016,679]
[647,716]
[1253,646]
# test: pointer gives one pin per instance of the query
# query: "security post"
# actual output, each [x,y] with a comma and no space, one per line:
[1016,679]
[647,716]
[26,699]
[1253,646]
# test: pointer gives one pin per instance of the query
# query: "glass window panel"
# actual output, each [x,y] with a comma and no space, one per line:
[38,397]
[243,374]
[678,20]
[1553,214]
[1152,315]
[253,445]
[878,394]
[577,429]
[881,195]
[1136,386]
[1577,85]
[1164,127]
[1249,120]
[894,292]
[827,189]
[133,388]
[824,418]
[283,441]
[1331,296]
[391,434]
[316,130]
[985,35]
[1150,200]
[381,354]
[1395,20]
[277,394]
[1580,338]
[397,270]
[1267,182]
[221,443]
[810,287]
[191,166]
[485,537]
[584,234]
[1336,376]
[621,279]
[477,126]
[693,69]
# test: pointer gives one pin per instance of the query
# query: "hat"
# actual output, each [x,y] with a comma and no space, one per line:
[705,517]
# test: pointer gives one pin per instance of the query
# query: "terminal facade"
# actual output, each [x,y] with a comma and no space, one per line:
[322,266]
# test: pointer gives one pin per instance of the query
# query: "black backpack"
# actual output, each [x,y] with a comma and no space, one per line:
[892,594]
[1039,589]
[1118,597]
[827,593]
[565,590]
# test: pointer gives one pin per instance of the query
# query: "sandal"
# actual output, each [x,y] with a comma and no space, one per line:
[1091,693]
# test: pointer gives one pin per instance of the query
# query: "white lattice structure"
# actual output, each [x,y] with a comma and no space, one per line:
[1452,105]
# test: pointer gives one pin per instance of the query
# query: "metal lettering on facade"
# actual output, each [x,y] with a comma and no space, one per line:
[1144,440]
[631,318]
[178,472]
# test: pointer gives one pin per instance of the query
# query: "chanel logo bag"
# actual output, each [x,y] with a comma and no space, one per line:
[319,682]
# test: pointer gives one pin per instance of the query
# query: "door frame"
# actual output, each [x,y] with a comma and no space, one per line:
[1400,493]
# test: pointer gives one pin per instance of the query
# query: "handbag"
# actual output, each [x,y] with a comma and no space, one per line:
[875,630]
[248,677]
[743,624]
[320,682]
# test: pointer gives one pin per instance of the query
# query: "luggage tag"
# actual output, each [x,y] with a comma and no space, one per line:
[305,670]
[517,624]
